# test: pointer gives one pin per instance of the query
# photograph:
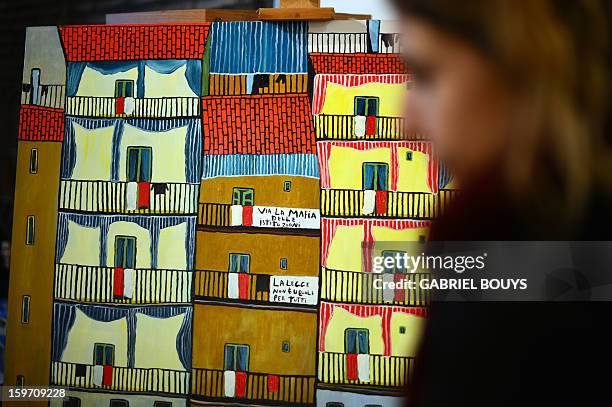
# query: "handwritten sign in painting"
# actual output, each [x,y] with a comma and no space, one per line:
[294,290]
[286,218]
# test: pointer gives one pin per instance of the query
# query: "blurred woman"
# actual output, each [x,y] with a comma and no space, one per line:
[515,96]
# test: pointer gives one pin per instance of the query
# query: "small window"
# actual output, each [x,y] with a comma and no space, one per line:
[357,341]
[286,347]
[283,264]
[375,176]
[243,196]
[119,403]
[373,405]
[125,252]
[239,263]
[287,186]
[34,161]
[409,155]
[366,106]
[402,329]
[30,229]
[334,404]
[104,354]
[25,309]
[139,164]
[20,382]
[72,402]
[395,265]
[236,358]
[124,88]
[162,404]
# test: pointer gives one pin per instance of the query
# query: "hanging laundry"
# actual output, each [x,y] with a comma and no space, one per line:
[118,282]
[370,129]
[381,202]
[359,124]
[144,195]
[159,188]
[120,106]
[128,283]
[351,366]
[107,375]
[229,383]
[363,367]
[273,383]
[262,283]
[98,374]
[400,293]
[388,293]
[247,215]
[369,202]
[243,285]
[128,105]
[236,215]
[233,290]
[261,82]
[240,384]
[131,196]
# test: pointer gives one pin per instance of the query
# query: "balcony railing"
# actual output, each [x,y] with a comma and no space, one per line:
[209,384]
[94,106]
[123,379]
[112,197]
[383,371]
[389,44]
[214,214]
[364,288]
[43,95]
[342,127]
[338,42]
[412,205]
[96,284]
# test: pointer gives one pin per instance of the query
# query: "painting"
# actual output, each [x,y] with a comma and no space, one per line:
[195,207]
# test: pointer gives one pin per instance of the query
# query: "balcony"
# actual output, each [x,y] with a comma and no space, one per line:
[381,371]
[338,42]
[112,198]
[123,379]
[93,106]
[358,287]
[214,214]
[410,205]
[43,95]
[342,127]
[97,284]
[208,384]
[305,220]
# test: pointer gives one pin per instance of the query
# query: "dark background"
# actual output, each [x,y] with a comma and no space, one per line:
[15,16]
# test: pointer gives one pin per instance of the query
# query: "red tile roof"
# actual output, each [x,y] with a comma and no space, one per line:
[258,124]
[357,64]
[133,42]
[37,123]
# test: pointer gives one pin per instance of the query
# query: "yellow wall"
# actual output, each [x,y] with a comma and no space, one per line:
[171,253]
[156,342]
[263,330]
[93,153]
[406,344]
[341,99]
[346,168]
[78,238]
[28,349]
[143,242]
[94,83]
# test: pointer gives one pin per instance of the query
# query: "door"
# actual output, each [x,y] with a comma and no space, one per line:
[124,88]
[104,354]
[357,341]
[243,196]
[139,164]
[395,267]
[375,176]
[366,106]
[236,358]
[239,263]
[125,252]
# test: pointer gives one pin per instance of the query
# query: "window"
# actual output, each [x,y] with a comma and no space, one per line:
[25,309]
[357,341]
[402,330]
[20,382]
[375,176]
[239,263]
[139,161]
[72,402]
[366,106]
[422,239]
[30,230]
[125,252]
[124,88]
[236,358]
[243,196]
[409,155]
[104,354]
[34,161]
[119,403]
[287,186]
[334,404]
[286,348]
[162,404]
[373,405]
[393,254]
[283,264]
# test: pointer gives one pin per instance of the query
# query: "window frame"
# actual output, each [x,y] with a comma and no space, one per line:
[238,262]
[34,161]
[239,196]
[123,82]
[20,380]
[124,403]
[367,105]
[160,403]
[105,346]
[284,263]
[235,347]
[124,257]
[357,331]
[139,175]
[376,166]
[26,305]
[287,186]
[30,230]
[70,402]
[394,270]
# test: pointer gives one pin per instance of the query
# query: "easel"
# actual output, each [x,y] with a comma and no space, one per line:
[288,10]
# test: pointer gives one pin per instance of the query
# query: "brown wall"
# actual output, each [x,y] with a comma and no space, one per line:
[28,350]
[304,193]
[266,250]
[263,330]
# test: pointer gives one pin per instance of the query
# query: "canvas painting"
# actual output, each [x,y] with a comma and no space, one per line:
[195,208]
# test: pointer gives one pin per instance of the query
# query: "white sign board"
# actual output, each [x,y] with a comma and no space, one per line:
[294,290]
[286,218]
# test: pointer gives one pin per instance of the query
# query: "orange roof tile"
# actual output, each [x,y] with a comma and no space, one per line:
[358,64]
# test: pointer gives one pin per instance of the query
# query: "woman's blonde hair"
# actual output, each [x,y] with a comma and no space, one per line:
[555,53]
